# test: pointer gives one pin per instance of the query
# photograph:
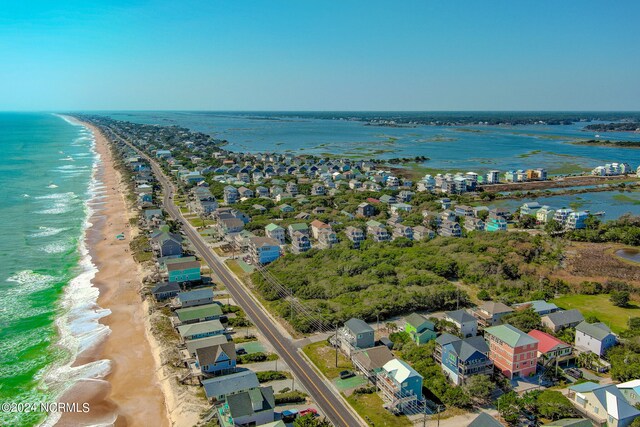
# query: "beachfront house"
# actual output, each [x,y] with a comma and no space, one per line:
[193,345]
[300,242]
[317,226]
[194,331]
[512,351]
[594,337]
[421,232]
[366,210]
[166,244]
[298,227]
[165,290]
[183,269]
[195,297]
[217,389]
[199,313]
[248,408]
[631,391]
[530,208]
[217,359]
[450,229]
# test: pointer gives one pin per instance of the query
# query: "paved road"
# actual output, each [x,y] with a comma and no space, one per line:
[334,407]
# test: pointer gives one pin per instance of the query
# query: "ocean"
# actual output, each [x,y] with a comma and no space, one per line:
[47,305]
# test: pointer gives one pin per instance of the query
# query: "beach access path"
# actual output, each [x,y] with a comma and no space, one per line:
[334,406]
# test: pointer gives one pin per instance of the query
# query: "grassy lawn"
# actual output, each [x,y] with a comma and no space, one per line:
[324,357]
[369,406]
[600,306]
[233,266]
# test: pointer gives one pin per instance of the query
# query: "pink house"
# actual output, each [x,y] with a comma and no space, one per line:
[512,351]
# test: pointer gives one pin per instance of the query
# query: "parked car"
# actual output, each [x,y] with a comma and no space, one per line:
[346,374]
[289,415]
[240,351]
[308,411]
[573,372]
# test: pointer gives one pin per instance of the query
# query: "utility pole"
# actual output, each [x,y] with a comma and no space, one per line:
[335,343]
[378,322]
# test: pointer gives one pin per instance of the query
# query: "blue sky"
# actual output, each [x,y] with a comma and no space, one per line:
[320,55]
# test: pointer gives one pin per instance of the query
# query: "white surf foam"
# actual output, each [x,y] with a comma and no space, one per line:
[48,231]
[79,325]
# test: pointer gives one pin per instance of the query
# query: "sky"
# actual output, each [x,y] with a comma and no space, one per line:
[319,55]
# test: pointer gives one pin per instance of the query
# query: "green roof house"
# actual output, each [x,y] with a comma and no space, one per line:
[419,328]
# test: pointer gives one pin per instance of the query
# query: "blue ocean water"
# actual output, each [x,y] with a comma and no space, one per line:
[46,180]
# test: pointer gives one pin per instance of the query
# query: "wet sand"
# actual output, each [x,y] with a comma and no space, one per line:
[130,395]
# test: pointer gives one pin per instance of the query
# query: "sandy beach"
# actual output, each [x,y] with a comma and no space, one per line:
[130,395]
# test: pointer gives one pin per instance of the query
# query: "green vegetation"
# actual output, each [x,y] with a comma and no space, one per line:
[525,320]
[625,229]
[293,396]
[266,376]
[311,420]
[599,305]
[324,358]
[399,277]
[549,404]
[566,168]
[626,199]
[369,407]
[140,248]
[256,358]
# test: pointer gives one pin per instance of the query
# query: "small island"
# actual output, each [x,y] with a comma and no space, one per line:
[608,143]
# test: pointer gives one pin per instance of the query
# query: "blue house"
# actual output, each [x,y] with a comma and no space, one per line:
[193,331]
[462,358]
[183,269]
[400,384]
[217,359]
[264,249]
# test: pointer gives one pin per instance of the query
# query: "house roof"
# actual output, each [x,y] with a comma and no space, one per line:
[193,345]
[178,260]
[299,226]
[570,422]
[596,330]
[319,224]
[416,320]
[484,420]
[184,265]
[538,305]
[374,358]
[163,236]
[547,342]
[273,227]
[232,383]
[209,355]
[242,404]
[511,335]
[493,307]
[357,326]
[200,328]
[585,387]
[400,370]
[264,241]
[614,401]
[198,312]
[195,295]
[633,384]
[460,316]
[446,338]
[166,287]
[561,318]
[467,348]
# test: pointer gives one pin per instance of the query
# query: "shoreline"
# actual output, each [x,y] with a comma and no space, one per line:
[129,394]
